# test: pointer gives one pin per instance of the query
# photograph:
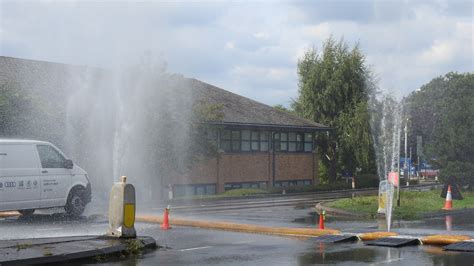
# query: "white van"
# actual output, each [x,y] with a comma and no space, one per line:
[36,175]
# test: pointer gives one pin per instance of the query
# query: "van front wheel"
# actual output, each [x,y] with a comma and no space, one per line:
[75,205]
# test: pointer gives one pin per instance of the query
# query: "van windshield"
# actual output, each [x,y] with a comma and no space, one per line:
[50,158]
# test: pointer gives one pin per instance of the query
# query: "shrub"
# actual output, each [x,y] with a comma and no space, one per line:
[312,188]
[243,192]
[366,181]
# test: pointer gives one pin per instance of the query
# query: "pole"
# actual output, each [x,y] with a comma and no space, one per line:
[409,168]
[398,165]
[418,167]
[406,154]
[273,159]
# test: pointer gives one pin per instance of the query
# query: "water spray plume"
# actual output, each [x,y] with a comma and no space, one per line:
[386,139]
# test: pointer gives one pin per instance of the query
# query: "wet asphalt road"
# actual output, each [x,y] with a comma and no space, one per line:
[192,246]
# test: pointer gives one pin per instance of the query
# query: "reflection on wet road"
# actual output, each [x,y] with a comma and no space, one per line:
[50,225]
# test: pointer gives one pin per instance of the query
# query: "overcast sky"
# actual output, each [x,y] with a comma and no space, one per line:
[248,48]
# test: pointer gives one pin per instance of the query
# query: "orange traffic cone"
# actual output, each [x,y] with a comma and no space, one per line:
[448,205]
[321,219]
[165,225]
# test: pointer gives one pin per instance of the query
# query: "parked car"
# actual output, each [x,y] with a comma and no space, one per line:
[37,175]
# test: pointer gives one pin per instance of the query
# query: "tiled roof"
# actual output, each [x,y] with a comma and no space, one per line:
[241,110]
[237,110]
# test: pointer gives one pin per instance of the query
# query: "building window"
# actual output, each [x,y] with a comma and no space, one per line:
[264,141]
[283,141]
[235,140]
[230,140]
[244,140]
[191,190]
[200,190]
[291,183]
[308,142]
[211,136]
[211,189]
[293,142]
[230,186]
[255,143]
[226,140]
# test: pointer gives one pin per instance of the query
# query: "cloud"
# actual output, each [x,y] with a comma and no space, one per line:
[249,48]
[262,73]
[439,52]
[229,45]
[261,35]
[407,52]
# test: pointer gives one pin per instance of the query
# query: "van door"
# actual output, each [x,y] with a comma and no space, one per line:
[55,178]
[19,177]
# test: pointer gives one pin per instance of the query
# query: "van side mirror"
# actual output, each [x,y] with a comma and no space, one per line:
[68,164]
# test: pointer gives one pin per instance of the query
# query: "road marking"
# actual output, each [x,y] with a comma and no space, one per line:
[50,229]
[98,225]
[387,261]
[188,249]
[243,242]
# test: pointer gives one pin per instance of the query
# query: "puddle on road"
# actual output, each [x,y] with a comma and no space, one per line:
[348,254]
[358,253]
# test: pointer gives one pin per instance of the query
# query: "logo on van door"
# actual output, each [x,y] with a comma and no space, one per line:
[10,184]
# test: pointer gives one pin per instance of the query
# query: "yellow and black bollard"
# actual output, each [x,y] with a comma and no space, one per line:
[122,210]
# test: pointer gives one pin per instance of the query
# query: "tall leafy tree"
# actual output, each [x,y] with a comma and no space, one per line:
[442,111]
[334,89]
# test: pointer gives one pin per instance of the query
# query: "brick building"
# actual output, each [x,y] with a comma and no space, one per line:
[259,146]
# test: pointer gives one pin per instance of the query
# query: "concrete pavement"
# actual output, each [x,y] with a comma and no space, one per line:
[62,249]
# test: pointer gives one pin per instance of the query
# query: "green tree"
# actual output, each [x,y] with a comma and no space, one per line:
[334,89]
[442,111]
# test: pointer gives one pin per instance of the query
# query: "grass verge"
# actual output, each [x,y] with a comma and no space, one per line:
[413,205]
[242,192]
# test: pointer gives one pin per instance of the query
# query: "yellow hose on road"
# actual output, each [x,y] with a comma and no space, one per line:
[443,239]
[376,235]
[247,228]
[9,214]
[294,232]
